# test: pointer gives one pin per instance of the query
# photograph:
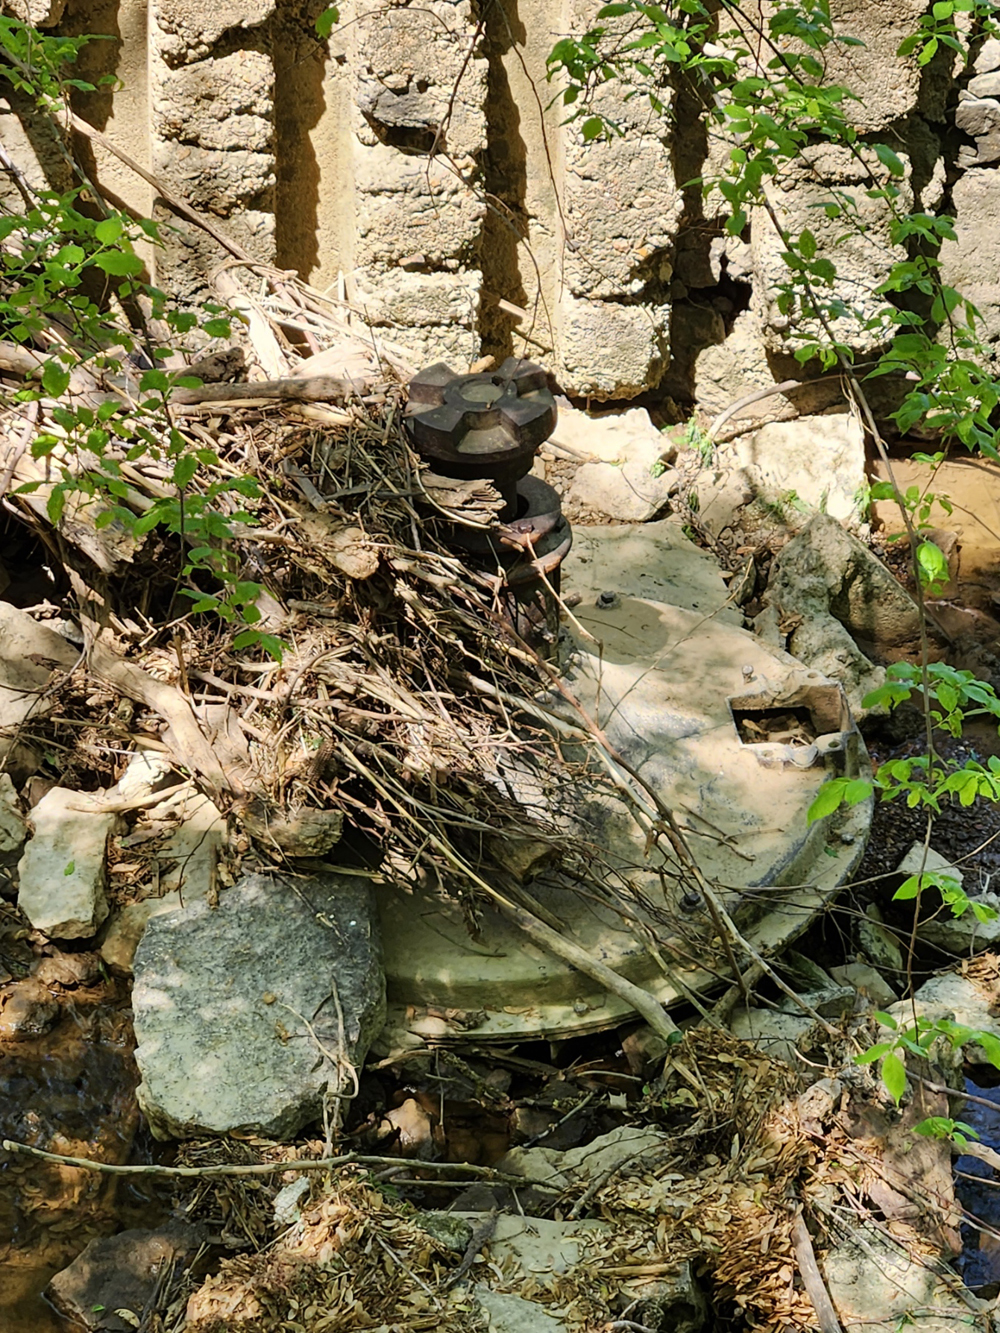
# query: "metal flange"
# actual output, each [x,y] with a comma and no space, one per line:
[486,425]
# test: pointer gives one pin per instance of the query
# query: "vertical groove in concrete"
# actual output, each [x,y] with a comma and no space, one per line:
[305,183]
[331,251]
[518,226]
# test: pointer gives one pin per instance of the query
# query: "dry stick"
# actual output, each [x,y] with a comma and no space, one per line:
[273,1168]
[544,936]
[812,1278]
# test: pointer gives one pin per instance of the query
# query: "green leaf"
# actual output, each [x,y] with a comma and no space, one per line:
[327,21]
[591,128]
[157,380]
[119,263]
[55,380]
[828,799]
[217,328]
[807,244]
[910,888]
[894,1076]
[873,1053]
[55,505]
[108,230]
[990,1045]
[932,564]
[889,159]
[184,470]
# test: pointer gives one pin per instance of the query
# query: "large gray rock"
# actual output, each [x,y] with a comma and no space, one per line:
[836,602]
[62,872]
[247,1014]
[877,1286]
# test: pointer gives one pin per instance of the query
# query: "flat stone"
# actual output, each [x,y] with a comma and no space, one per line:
[778,1034]
[878,1287]
[988,58]
[513,1314]
[867,982]
[238,1008]
[979,117]
[62,869]
[116,1274]
[985,85]
[544,1250]
[819,459]
[633,492]
[954,997]
[837,600]
[29,655]
[918,859]
[878,944]
[191,832]
[720,496]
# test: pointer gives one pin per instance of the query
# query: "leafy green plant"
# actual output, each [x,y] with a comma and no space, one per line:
[62,267]
[917,1039]
[764,91]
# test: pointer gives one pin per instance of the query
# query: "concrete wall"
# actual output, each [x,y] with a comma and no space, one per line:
[316,157]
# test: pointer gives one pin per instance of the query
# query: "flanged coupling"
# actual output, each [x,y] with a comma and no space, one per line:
[481,426]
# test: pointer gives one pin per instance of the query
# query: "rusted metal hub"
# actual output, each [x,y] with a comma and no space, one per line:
[482,426]
[489,427]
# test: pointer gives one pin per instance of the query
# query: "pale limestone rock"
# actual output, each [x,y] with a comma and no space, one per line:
[612,437]
[608,349]
[513,1314]
[39,13]
[985,85]
[988,58]
[62,871]
[867,982]
[778,1035]
[979,117]
[224,104]
[879,944]
[191,832]
[972,264]
[634,492]
[821,459]
[955,998]
[832,594]
[877,1286]
[30,654]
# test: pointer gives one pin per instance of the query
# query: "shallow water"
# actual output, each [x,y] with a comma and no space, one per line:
[979,1263]
[69,1090]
